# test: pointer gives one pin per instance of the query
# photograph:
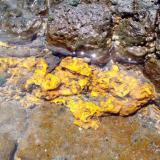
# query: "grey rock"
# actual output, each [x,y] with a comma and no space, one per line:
[52,61]
[152,69]
[158,44]
[123,6]
[73,2]
[132,33]
[22,17]
[87,26]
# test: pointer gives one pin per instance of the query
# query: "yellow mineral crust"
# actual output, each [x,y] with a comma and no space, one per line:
[46,81]
[76,65]
[86,90]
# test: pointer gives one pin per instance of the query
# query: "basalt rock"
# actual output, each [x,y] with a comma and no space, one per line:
[135,39]
[23,18]
[85,27]
[134,8]
[152,69]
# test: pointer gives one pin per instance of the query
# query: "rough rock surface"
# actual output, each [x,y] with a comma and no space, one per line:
[87,26]
[125,31]
[12,126]
[51,135]
[22,17]
[152,69]
[115,89]
[12,119]
[136,31]
[7,147]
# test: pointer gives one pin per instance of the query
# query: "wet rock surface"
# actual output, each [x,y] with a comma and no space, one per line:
[12,119]
[49,132]
[13,123]
[7,147]
[152,69]
[121,32]
[90,28]
[51,135]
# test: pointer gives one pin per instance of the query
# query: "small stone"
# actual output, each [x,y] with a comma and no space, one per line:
[137,51]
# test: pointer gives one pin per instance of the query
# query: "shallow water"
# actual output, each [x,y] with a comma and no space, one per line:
[48,132]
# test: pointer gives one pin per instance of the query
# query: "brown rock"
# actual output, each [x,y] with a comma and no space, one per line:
[152,69]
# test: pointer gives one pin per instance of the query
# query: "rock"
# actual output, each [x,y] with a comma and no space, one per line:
[152,69]
[24,26]
[134,33]
[133,8]
[38,7]
[149,118]
[134,39]
[40,138]
[158,47]
[52,62]
[130,32]
[12,119]
[137,51]
[20,51]
[51,136]
[123,6]
[2,80]
[73,2]
[85,27]
[22,17]
[7,147]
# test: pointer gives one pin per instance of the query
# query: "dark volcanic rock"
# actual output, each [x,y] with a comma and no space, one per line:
[152,69]
[128,8]
[135,32]
[22,17]
[86,27]
[132,33]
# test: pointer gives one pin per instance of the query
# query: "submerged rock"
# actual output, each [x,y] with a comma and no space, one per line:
[152,69]
[51,135]
[12,119]
[7,147]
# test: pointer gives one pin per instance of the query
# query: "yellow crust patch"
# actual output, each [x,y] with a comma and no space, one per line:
[87,91]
